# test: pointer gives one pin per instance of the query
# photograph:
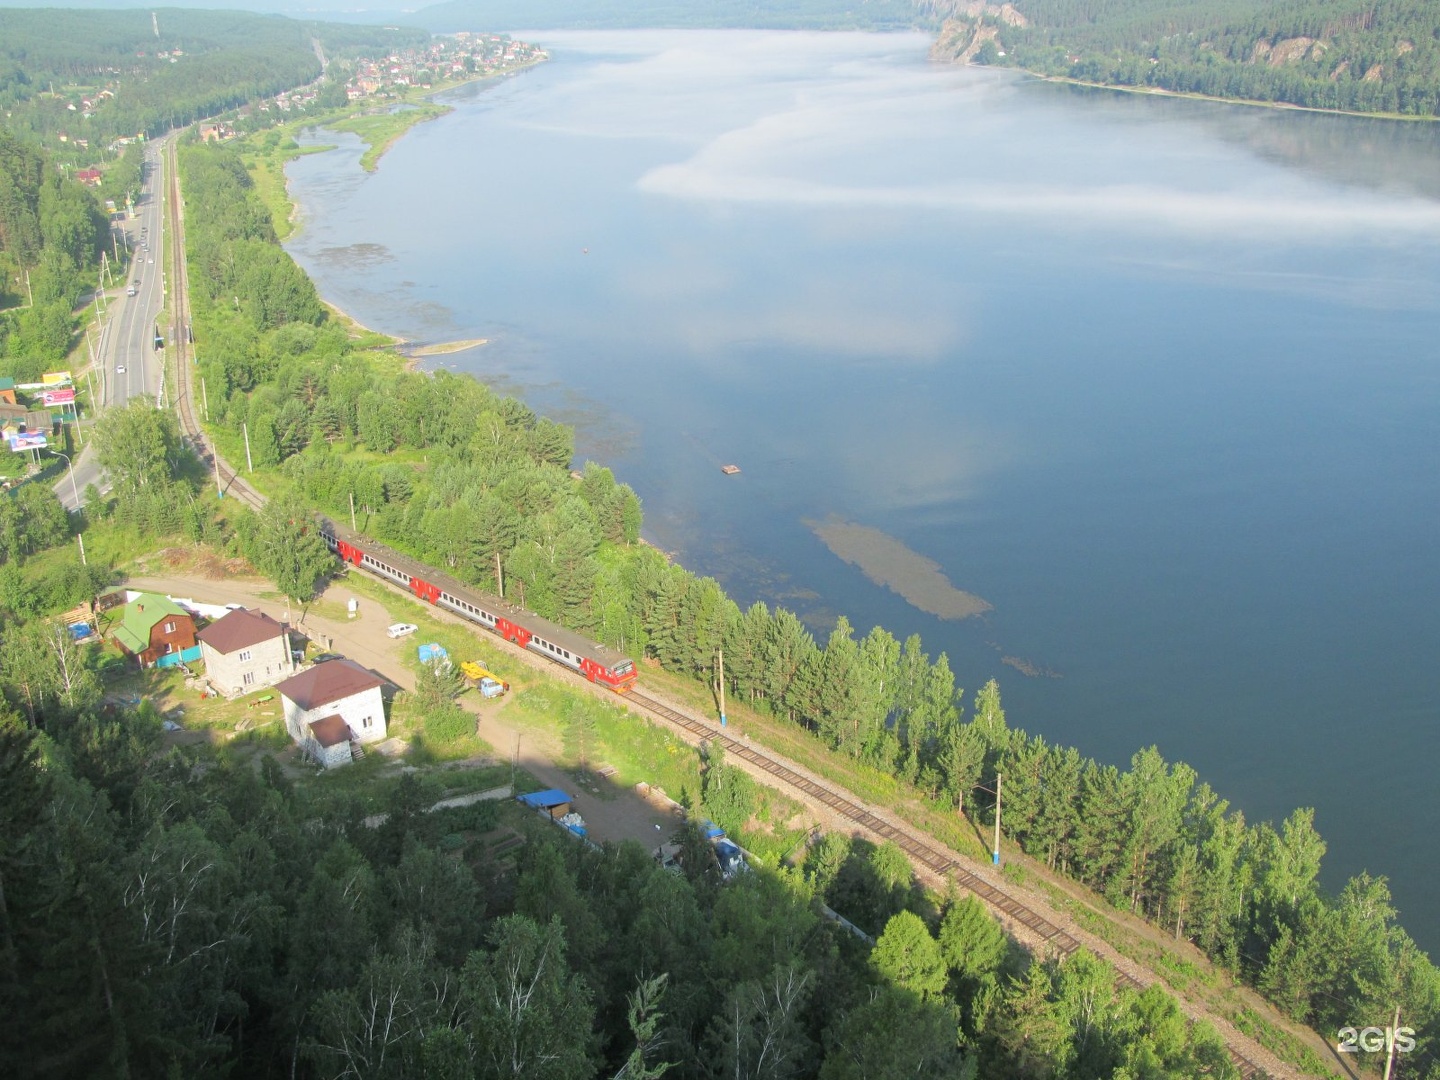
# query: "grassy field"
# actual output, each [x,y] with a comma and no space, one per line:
[381,129]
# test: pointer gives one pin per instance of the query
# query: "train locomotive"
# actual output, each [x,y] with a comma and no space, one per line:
[598,663]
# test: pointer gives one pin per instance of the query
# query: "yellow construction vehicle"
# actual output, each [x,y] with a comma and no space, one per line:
[483,679]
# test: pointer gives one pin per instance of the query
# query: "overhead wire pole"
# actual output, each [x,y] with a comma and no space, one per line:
[995,849]
[720,664]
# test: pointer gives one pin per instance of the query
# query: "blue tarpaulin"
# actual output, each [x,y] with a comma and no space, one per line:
[543,800]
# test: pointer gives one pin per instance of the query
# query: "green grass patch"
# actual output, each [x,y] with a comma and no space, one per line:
[380,130]
[1281,1042]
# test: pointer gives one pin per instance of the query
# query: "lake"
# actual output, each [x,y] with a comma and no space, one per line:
[1154,379]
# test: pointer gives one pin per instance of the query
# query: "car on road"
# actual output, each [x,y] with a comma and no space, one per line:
[325,656]
[119,369]
[130,291]
[400,629]
[150,260]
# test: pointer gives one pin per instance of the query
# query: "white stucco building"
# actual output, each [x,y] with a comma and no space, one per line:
[244,651]
[332,708]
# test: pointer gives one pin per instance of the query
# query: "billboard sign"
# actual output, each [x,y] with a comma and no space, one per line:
[55,378]
[28,440]
[58,397]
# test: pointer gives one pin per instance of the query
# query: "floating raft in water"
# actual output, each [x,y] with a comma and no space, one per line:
[730,470]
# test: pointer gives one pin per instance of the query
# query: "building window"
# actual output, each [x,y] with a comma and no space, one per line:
[244,654]
[248,678]
[169,628]
[367,722]
[169,647]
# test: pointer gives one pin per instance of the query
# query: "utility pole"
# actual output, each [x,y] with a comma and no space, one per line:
[81,541]
[997,819]
[499,576]
[720,665]
[249,465]
[219,488]
[353,527]
[1390,1054]
[205,397]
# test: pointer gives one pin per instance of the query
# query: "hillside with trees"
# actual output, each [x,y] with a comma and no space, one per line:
[83,78]
[1353,55]
[52,233]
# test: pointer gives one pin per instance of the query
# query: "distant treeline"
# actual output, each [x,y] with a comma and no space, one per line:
[678,14]
[93,76]
[466,477]
[1356,55]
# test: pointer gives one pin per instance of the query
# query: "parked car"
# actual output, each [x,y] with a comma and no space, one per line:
[400,629]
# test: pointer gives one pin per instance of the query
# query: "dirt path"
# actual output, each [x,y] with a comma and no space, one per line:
[617,814]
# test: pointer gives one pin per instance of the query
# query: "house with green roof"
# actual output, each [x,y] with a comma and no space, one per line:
[156,631]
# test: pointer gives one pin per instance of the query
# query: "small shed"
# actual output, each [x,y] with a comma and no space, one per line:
[553,803]
[332,737]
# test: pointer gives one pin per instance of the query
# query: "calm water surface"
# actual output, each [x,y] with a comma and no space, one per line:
[1157,379]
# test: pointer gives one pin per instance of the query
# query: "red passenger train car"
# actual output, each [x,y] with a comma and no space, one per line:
[596,662]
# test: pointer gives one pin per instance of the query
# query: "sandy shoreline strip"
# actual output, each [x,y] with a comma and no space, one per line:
[444,348]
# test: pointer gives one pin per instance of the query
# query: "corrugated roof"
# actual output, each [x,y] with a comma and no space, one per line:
[328,682]
[329,730]
[139,618]
[239,629]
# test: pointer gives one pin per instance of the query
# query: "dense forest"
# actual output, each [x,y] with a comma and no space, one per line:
[52,233]
[1356,55]
[1151,838]
[94,76]
[185,913]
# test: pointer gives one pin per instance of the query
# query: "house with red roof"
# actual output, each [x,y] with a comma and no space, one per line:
[333,708]
[244,651]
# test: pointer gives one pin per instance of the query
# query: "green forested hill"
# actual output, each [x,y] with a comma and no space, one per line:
[1357,55]
[95,75]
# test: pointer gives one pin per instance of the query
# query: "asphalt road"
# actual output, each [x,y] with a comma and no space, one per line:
[126,362]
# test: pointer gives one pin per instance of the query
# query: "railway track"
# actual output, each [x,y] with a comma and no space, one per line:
[227,481]
[937,860]
[933,858]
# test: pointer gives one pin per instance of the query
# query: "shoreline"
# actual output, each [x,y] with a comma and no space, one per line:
[369,162]
[1188,95]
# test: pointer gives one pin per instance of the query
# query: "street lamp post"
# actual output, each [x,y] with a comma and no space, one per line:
[71,466]
[75,488]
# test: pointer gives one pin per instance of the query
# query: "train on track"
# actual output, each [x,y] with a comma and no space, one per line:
[598,663]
